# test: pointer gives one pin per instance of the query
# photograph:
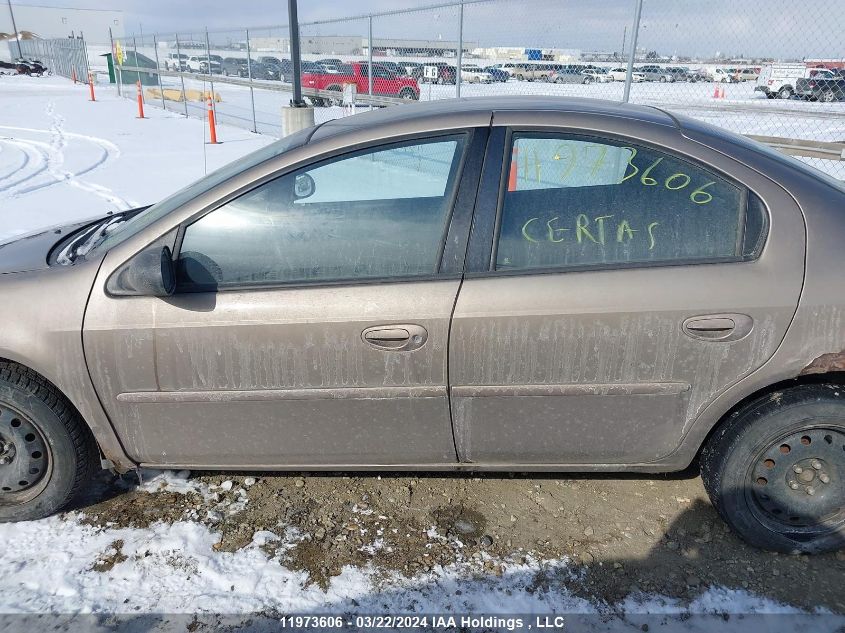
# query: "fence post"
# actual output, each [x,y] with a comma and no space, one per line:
[158,73]
[135,48]
[295,54]
[370,58]
[249,74]
[15,29]
[181,76]
[210,72]
[629,74]
[460,51]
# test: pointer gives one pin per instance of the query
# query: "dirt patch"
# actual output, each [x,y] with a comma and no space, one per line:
[622,534]
[111,557]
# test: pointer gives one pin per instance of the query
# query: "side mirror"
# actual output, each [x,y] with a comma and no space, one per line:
[149,273]
[303,187]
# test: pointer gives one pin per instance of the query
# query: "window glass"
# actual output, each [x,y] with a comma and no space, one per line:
[582,201]
[372,214]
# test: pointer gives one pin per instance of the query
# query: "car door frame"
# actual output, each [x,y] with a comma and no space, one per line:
[649,130]
[170,228]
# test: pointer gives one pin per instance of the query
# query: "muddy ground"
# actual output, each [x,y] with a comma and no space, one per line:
[626,533]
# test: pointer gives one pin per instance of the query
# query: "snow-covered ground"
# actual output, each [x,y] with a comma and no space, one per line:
[63,157]
[62,565]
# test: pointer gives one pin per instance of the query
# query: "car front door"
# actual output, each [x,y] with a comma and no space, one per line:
[620,278]
[310,321]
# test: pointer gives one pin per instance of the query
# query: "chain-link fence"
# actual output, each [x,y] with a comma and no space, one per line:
[65,56]
[773,70]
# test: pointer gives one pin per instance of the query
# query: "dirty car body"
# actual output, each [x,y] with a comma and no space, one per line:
[492,284]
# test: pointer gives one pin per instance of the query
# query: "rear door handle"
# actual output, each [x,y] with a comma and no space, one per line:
[395,338]
[718,327]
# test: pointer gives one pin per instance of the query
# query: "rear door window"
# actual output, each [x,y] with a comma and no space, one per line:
[574,201]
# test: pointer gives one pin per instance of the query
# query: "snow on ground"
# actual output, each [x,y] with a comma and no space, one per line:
[62,158]
[62,565]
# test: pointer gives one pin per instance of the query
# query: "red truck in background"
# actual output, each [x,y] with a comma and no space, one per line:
[386,83]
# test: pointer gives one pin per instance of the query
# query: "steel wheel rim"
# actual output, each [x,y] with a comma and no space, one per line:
[795,485]
[25,455]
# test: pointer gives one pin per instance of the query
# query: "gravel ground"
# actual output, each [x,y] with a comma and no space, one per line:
[623,534]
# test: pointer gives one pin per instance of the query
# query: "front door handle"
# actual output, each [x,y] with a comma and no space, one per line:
[396,338]
[718,327]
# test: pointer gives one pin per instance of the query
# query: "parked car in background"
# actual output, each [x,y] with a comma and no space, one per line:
[727,76]
[656,73]
[176,61]
[236,66]
[8,68]
[661,292]
[413,69]
[740,75]
[780,80]
[679,73]
[535,71]
[570,74]
[497,74]
[201,64]
[473,74]
[596,75]
[821,89]
[699,74]
[269,70]
[385,82]
[445,73]
[620,73]
[395,68]
[329,64]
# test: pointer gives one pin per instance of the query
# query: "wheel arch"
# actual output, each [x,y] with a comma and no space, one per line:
[107,444]
[820,378]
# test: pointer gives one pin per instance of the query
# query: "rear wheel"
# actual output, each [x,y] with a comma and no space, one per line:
[828,96]
[775,471]
[408,94]
[785,92]
[47,454]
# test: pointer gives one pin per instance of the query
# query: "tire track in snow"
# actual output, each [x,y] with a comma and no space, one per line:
[50,157]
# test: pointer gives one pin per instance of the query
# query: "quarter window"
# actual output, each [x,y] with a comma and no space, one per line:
[373,214]
[573,201]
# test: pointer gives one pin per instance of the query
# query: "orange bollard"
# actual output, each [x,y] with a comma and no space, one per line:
[512,174]
[140,100]
[73,75]
[715,91]
[211,125]
[91,86]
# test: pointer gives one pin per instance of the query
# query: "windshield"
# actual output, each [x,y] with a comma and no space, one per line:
[141,221]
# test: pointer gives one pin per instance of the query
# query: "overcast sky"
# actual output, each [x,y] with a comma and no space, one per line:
[780,28]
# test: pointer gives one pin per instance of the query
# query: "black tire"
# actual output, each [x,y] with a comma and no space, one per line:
[785,93]
[409,94]
[775,470]
[41,426]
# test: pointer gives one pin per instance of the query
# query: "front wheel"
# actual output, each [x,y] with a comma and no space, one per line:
[775,470]
[47,454]
[828,97]
[409,94]
[785,93]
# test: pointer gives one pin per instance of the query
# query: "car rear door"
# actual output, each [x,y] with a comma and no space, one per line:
[310,322]
[619,278]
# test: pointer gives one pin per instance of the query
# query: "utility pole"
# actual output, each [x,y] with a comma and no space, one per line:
[15,28]
[293,25]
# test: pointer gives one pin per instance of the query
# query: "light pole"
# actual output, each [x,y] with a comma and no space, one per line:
[295,59]
[15,29]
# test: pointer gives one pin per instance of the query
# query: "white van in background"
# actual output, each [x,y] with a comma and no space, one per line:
[778,80]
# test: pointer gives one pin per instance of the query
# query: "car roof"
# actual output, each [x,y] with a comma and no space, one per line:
[429,113]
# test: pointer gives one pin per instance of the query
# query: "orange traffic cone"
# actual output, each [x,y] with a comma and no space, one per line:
[722,92]
[512,174]
[715,91]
